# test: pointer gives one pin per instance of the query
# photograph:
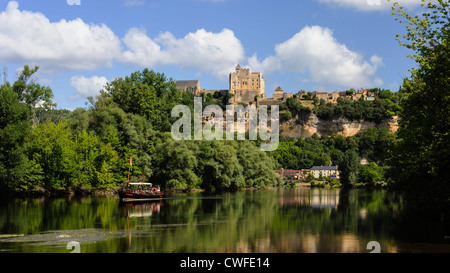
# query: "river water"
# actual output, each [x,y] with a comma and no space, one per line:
[298,220]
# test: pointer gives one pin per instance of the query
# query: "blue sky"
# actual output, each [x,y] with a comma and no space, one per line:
[323,45]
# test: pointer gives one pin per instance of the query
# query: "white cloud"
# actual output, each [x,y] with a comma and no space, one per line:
[370,5]
[142,50]
[314,50]
[30,37]
[208,52]
[85,87]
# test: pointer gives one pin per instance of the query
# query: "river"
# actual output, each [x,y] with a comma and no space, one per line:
[298,220]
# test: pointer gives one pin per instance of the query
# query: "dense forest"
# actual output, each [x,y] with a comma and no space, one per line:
[90,148]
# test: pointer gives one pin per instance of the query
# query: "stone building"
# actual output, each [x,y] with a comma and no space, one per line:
[192,86]
[320,95]
[280,95]
[332,97]
[246,86]
[293,175]
[326,171]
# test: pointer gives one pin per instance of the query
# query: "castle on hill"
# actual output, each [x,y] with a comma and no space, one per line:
[249,88]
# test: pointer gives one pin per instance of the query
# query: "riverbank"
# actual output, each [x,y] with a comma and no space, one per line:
[81,192]
[42,192]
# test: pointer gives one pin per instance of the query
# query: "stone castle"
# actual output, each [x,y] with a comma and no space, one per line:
[249,88]
[245,86]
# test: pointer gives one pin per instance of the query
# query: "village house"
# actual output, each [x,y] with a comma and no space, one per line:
[365,94]
[326,171]
[292,175]
[332,97]
[320,95]
[303,174]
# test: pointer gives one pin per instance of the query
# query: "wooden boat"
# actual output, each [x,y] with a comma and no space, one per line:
[132,192]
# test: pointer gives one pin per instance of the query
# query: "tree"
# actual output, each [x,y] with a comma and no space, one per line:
[219,166]
[96,161]
[375,144]
[14,129]
[146,93]
[176,164]
[32,93]
[420,157]
[370,174]
[349,168]
[53,148]
[257,165]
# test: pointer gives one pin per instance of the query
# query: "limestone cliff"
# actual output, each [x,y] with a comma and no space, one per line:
[307,125]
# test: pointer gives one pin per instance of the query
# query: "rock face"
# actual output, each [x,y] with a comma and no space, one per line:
[306,126]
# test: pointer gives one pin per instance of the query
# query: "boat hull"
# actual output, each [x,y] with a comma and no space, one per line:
[134,197]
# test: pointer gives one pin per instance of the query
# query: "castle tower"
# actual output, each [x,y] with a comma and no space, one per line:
[245,86]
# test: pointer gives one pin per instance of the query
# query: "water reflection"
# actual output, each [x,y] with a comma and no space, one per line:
[139,209]
[280,220]
[315,198]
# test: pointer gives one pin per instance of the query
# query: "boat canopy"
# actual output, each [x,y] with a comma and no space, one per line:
[139,183]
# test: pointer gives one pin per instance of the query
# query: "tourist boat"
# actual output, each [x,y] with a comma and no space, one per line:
[132,192]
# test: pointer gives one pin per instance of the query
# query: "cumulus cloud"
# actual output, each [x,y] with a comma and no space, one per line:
[86,87]
[370,5]
[30,37]
[314,50]
[215,53]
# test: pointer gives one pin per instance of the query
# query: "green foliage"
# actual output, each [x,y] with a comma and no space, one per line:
[130,135]
[217,98]
[52,146]
[14,128]
[32,93]
[176,164]
[62,160]
[295,107]
[420,161]
[287,115]
[257,166]
[349,168]
[374,144]
[384,106]
[213,165]
[371,174]
[96,161]
[148,94]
